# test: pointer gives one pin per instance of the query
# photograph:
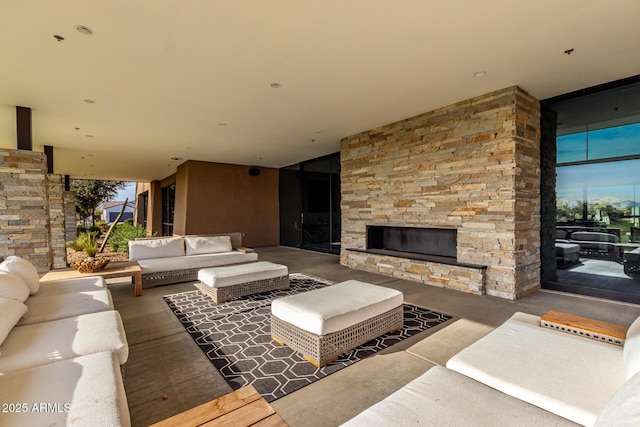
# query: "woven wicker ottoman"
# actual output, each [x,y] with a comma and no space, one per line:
[324,323]
[232,281]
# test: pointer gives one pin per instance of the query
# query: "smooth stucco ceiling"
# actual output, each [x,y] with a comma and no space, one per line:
[165,74]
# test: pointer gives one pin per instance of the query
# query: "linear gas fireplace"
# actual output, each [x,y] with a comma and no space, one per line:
[413,242]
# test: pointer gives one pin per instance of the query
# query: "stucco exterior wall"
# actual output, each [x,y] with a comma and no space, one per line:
[220,198]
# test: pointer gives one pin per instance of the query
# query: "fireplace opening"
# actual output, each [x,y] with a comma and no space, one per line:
[414,241]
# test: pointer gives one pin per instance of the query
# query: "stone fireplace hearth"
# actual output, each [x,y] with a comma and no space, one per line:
[472,167]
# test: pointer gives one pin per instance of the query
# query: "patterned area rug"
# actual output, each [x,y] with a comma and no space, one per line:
[236,337]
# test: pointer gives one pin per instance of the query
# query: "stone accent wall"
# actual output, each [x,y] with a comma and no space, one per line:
[473,166]
[457,277]
[71,230]
[31,210]
[57,231]
[24,215]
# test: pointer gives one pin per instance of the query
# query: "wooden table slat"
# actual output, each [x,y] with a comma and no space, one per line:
[243,407]
[585,323]
[246,415]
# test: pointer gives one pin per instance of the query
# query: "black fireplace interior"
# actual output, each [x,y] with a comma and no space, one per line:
[436,242]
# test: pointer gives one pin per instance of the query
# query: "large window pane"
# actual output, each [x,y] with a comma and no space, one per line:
[608,193]
[572,148]
[614,142]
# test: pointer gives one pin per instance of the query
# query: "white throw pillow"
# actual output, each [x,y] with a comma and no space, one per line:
[25,270]
[207,244]
[13,287]
[10,312]
[156,248]
[623,409]
[631,349]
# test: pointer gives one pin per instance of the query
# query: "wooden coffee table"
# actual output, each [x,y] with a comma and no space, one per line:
[111,271]
[240,408]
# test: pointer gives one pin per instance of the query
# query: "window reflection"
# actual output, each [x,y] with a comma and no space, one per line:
[607,193]
[597,233]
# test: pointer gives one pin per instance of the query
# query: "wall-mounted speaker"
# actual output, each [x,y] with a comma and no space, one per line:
[254,171]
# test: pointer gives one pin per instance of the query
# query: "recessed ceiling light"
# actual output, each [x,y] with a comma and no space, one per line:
[479,74]
[176,158]
[275,85]
[569,51]
[84,30]
[58,38]
[89,101]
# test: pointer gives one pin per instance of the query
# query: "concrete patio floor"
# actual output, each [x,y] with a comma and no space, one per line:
[164,360]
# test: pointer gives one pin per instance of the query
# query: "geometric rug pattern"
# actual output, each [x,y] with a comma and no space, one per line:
[236,337]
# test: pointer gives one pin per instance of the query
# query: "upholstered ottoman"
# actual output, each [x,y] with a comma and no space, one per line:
[567,252]
[324,323]
[226,283]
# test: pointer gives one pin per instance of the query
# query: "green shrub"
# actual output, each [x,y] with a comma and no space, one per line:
[122,233]
[86,242]
[128,221]
[92,229]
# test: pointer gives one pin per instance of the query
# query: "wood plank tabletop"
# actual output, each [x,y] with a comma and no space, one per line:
[243,407]
[585,323]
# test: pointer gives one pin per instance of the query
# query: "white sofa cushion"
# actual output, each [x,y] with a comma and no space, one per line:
[59,306]
[82,284]
[623,410]
[219,277]
[13,287]
[441,397]
[43,343]
[632,349]
[84,391]
[156,248]
[195,261]
[10,312]
[196,245]
[547,368]
[24,269]
[334,308]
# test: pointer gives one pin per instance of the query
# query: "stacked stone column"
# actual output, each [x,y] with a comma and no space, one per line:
[32,213]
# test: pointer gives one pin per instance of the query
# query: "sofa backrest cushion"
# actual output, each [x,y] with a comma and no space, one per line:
[594,236]
[623,409]
[196,245]
[631,350]
[156,248]
[561,234]
[23,268]
[10,312]
[13,287]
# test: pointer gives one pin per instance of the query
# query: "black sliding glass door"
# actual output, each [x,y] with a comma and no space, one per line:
[310,204]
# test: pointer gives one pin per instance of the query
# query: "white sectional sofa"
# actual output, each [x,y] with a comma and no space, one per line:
[523,374]
[168,260]
[62,347]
